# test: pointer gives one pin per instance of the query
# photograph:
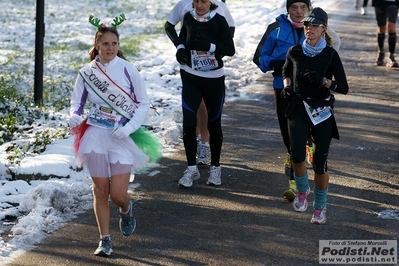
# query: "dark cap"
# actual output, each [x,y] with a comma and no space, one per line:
[316,16]
[290,2]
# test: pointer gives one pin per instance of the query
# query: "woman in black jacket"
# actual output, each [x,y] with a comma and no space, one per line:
[311,72]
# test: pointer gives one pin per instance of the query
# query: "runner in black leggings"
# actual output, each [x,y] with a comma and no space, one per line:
[203,41]
[308,75]
[194,89]
[386,14]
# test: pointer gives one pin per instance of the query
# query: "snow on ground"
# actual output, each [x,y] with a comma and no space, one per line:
[43,205]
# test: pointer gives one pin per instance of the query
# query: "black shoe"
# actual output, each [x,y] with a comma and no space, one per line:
[392,62]
[380,59]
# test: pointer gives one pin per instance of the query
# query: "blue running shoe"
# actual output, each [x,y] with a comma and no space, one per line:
[104,247]
[127,223]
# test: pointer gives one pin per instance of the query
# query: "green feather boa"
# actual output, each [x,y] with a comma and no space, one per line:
[147,143]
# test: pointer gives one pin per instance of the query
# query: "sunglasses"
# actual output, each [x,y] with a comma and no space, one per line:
[314,25]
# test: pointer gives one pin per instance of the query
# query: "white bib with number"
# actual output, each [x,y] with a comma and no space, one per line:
[319,114]
[103,116]
[203,61]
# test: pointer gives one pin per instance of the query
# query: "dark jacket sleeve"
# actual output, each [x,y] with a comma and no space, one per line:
[182,39]
[171,32]
[340,83]
[226,47]
[232,31]
[288,68]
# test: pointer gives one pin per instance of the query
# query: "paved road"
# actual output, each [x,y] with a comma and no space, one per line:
[246,221]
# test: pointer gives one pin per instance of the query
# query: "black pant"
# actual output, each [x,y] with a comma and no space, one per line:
[213,91]
[280,103]
[300,126]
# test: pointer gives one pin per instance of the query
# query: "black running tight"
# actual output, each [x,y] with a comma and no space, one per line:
[300,126]
[212,90]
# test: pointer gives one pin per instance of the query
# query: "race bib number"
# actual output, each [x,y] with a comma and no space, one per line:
[203,61]
[103,116]
[319,114]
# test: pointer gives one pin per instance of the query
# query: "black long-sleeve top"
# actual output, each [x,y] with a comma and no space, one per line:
[215,31]
[172,34]
[327,63]
[384,4]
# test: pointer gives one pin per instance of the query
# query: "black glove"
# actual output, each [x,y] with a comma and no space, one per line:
[314,77]
[200,45]
[287,92]
[181,56]
[277,66]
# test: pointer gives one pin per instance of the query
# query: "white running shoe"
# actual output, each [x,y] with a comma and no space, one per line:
[202,153]
[319,216]
[188,177]
[300,203]
[215,176]
[363,10]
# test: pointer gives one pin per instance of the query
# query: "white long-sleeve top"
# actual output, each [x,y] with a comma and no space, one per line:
[184,6]
[335,38]
[127,77]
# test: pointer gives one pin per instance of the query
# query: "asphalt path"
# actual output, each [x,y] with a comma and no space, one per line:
[246,221]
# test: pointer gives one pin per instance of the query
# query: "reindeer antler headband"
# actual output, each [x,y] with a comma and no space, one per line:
[96,23]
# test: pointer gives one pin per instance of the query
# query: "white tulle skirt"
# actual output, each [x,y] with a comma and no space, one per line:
[100,141]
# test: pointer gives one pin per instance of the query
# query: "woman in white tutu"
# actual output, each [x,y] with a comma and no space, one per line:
[105,141]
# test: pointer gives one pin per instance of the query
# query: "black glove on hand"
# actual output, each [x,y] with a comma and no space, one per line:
[314,77]
[181,56]
[287,92]
[200,45]
[277,66]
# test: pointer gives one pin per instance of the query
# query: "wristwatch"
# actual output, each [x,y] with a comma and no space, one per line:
[325,81]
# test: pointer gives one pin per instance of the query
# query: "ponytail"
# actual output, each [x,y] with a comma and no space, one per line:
[328,39]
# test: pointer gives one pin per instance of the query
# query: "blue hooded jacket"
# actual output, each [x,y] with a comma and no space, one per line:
[279,37]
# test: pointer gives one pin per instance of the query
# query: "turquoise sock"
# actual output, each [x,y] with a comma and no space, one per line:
[320,198]
[302,183]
